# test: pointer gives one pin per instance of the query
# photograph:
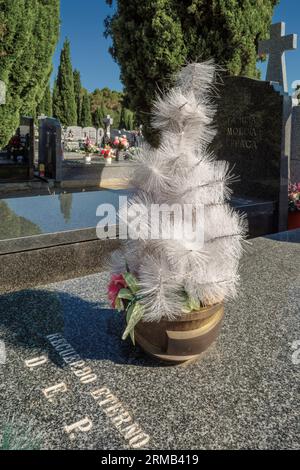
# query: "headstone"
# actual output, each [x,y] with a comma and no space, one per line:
[73,133]
[254,137]
[275,47]
[17,158]
[295,145]
[2,92]
[91,133]
[50,148]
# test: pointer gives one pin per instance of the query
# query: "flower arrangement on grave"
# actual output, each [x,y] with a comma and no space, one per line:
[121,143]
[294,197]
[88,147]
[294,206]
[172,290]
[107,152]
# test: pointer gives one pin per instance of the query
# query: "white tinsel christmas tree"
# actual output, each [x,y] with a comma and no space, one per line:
[183,171]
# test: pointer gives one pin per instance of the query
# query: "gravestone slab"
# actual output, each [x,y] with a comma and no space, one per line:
[253,136]
[91,133]
[36,249]
[73,133]
[295,145]
[68,374]
[50,148]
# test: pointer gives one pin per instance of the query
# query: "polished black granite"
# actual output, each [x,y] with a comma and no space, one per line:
[252,136]
[37,222]
[243,394]
[249,123]
[262,216]
[31,223]
[53,213]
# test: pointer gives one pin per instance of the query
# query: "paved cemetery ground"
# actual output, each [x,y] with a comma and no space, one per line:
[242,394]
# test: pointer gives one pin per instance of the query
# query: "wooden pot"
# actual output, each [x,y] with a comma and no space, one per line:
[294,220]
[182,339]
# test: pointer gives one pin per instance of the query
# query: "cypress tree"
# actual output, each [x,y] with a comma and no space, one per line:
[126,119]
[98,116]
[45,106]
[122,119]
[129,119]
[77,91]
[55,98]
[29,31]
[64,104]
[86,115]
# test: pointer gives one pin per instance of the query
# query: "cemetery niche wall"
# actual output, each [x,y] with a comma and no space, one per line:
[253,136]
[17,158]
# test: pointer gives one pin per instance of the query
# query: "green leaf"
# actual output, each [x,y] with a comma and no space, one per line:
[134,315]
[119,304]
[186,309]
[131,282]
[125,294]
[194,304]
[190,305]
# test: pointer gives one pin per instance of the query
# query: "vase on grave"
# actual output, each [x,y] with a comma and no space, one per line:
[183,339]
[294,220]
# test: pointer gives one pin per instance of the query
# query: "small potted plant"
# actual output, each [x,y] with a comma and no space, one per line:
[294,206]
[172,289]
[107,154]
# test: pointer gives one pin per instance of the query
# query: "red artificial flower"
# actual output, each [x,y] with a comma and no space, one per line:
[117,283]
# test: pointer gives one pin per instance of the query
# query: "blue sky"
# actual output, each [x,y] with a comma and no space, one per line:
[82,22]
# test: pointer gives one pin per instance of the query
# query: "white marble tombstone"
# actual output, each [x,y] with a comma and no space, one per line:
[73,133]
[91,133]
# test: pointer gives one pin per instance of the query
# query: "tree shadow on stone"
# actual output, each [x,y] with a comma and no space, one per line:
[92,329]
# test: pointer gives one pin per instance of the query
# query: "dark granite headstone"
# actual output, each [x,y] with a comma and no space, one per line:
[17,158]
[253,133]
[50,148]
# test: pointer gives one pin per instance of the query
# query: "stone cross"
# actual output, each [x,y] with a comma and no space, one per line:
[275,47]
[2,92]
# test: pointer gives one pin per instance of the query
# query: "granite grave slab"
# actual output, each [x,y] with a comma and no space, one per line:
[68,374]
[36,247]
